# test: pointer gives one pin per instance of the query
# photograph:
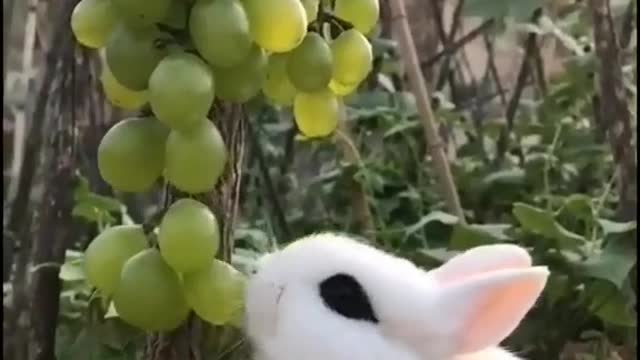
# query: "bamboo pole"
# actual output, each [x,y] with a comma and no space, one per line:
[435,146]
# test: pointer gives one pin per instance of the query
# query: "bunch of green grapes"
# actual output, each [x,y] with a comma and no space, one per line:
[155,288]
[177,56]
[170,60]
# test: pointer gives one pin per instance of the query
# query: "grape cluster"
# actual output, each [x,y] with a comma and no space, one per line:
[179,55]
[171,59]
[154,289]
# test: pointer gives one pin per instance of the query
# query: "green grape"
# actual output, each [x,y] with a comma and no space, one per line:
[341,89]
[216,292]
[311,8]
[181,90]
[142,12]
[149,295]
[119,95]
[92,21]
[176,17]
[195,160]
[133,54]
[277,25]
[277,87]
[106,254]
[188,236]
[316,114]
[352,57]
[220,31]
[131,154]
[243,81]
[362,14]
[310,65]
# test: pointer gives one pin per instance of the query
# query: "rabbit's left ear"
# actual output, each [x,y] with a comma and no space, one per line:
[483,295]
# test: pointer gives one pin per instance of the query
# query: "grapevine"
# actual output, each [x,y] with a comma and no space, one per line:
[171,60]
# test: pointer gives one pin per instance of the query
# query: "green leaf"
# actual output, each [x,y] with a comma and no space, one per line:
[438,216]
[612,227]
[82,189]
[579,205]
[468,236]
[613,264]
[505,177]
[86,211]
[612,305]
[432,258]
[402,127]
[72,270]
[103,203]
[486,8]
[542,222]
[520,10]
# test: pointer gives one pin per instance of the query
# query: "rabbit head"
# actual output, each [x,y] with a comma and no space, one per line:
[328,297]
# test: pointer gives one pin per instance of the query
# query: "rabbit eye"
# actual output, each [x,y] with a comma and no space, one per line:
[344,295]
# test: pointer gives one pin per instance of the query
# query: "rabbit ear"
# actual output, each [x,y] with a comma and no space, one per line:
[483,308]
[482,259]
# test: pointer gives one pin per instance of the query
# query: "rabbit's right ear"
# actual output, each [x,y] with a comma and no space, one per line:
[482,259]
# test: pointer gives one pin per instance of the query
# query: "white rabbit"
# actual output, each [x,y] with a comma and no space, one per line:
[328,297]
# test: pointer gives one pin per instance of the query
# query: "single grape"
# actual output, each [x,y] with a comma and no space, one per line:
[177,15]
[277,87]
[243,81]
[216,292]
[119,95]
[142,12]
[362,14]
[352,57]
[341,89]
[188,236]
[181,90]
[131,154]
[311,8]
[149,295]
[220,31]
[92,21]
[276,25]
[316,114]
[196,159]
[310,65]
[133,54]
[106,254]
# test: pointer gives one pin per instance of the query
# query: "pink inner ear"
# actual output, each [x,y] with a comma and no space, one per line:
[482,259]
[499,310]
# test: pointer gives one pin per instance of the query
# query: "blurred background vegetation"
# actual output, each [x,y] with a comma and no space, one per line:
[535,107]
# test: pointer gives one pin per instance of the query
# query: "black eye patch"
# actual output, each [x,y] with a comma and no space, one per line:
[344,295]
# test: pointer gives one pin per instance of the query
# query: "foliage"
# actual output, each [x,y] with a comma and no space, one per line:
[554,193]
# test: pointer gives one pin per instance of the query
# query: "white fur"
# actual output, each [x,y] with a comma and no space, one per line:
[287,320]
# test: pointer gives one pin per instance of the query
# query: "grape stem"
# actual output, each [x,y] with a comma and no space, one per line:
[342,24]
[325,16]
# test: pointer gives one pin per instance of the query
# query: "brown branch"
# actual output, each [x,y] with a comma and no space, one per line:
[521,83]
[538,63]
[421,93]
[614,106]
[455,46]
[628,23]
[360,205]
[493,69]
[19,220]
